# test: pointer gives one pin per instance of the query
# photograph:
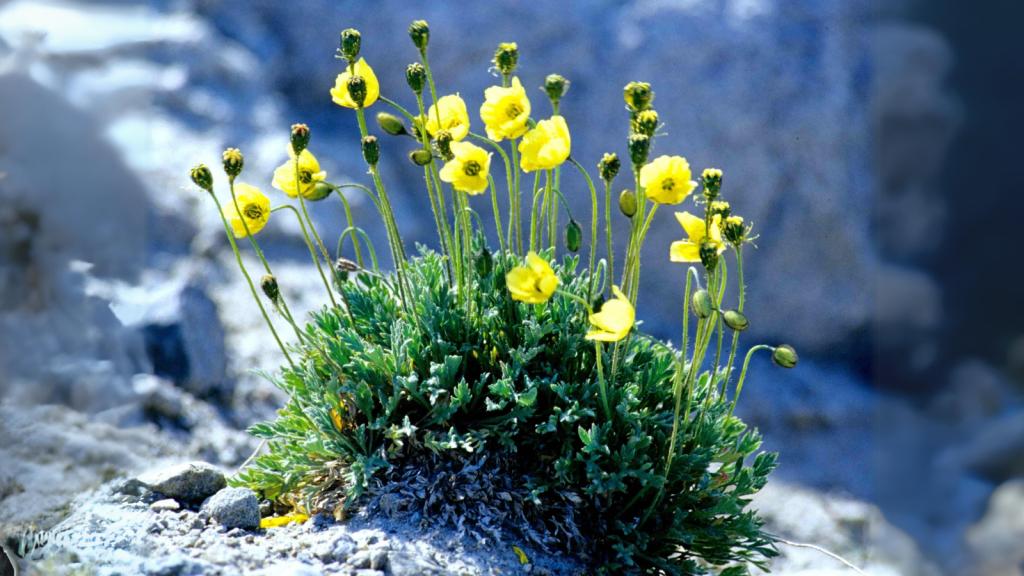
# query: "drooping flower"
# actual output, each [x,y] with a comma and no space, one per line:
[505,111]
[340,93]
[468,170]
[276,521]
[453,117]
[533,283]
[546,146]
[309,175]
[615,319]
[253,210]
[666,180]
[689,250]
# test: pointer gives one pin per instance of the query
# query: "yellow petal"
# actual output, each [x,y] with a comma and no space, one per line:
[684,251]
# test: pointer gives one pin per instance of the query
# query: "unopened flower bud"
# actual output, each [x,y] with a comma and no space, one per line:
[483,262]
[598,303]
[702,304]
[556,87]
[443,140]
[506,57]
[712,182]
[420,34]
[639,148]
[357,89]
[735,320]
[420,157]
[609,167]
[627,203]
[733,230]
[391,124]
[646,123]
[342,268]
[233,162]
[709,255]
[202,177]
[784,356]
[416,77]
[720,208]
[350,41]
[320,191]
[371,150]
[269,285]
[638,95]
[573,236]
[300,137]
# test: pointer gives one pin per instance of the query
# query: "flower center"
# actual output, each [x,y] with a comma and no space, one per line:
[668,184]
[305,176]
[471,168]
[253,211]
[513,110]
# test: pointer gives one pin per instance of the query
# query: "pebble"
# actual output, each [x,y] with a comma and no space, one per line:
[190,482]
[234,508]
[165,504]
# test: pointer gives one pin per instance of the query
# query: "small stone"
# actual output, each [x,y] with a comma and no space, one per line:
[407,564]
[234,508]
[165,504]
[527,568]
[190,482]
[369,573]
[360,559]
[378,558]
[235,533]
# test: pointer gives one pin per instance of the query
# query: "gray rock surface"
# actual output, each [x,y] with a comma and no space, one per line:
[190,482]
[234,508]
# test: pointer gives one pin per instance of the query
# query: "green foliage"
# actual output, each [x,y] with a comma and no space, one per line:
[498,375]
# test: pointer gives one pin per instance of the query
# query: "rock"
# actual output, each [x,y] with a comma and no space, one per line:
[234,508]
[360,559]
[176,565]
[995,540]
[191,482]
[336,550]
[406,564]
[976,392]
[166,504]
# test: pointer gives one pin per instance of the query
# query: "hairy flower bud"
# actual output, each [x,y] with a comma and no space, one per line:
[702,304]
[420,34]
[350,40]
[320,191]
[420,157]
[609,167]
[483,262]
[627,203]
[371,150]
[506,57]
[784,356]
[342,268]
[202,177]
[443,140]
[416,77]
[646,123]
[357,89]
[233,162]
[556,86]
[709,255]
[269,285]
[735,320]
[639,148]
[300,137]
[573,236]
[638,95]
[712,182]
[733,230]
[391,124]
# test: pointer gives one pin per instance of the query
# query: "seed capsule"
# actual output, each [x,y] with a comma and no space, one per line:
[371,150]
[712,178]
[416,77]
[506,57]
[202,177]
[420,34]
[627,203]
[646,123]
[735,320]
[443,140]
[573,236]
[350,40]
[233,162]
[638,95]
[784,356]
[270,288]
[300,137]
[609,167]
[702,304]
[391,124]
[639,148]
[556,86]
[357,89]
[709,255]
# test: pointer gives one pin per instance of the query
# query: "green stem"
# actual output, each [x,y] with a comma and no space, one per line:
[736,333]
[593,227]
[534,240]
[351,224]
[608,233]
[354,230]
[518,198]
[497,218]
[597,349]
[241,266]
[312,251]
[743,375]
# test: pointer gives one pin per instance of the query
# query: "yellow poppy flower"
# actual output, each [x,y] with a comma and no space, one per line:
[689,250]
[546,146]
[468,170]
[666,180]
[615,319]
[454,117]
[505,111]
[533,283]
[309,175]
[340,93]
[277,521]
[254,208]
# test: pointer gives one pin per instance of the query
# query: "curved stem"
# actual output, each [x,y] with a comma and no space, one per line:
[353,231]
[608,233]
[351,224]
[312,251]
[497,218]
[396,107]
[743,375]
[593,226]
[678,384]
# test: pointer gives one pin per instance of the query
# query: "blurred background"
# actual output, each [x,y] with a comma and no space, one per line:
[874,145]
